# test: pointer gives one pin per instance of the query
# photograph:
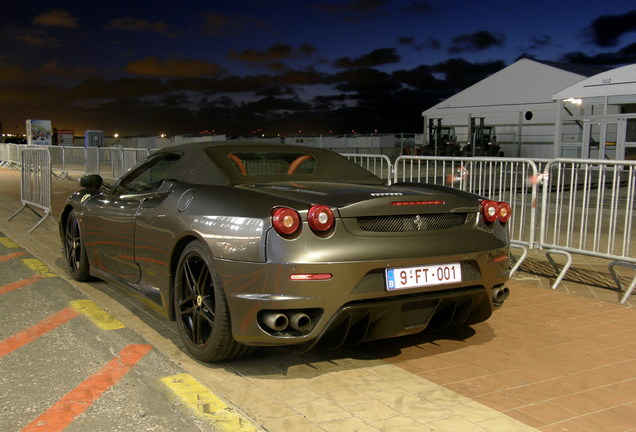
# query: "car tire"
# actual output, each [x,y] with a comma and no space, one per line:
[201,309]
[74,249]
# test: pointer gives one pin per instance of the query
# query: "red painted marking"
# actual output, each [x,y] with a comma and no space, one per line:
[19,284]
[22,338]
[78,400]
[12,255]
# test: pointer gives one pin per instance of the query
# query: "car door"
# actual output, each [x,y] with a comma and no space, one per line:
[110,220]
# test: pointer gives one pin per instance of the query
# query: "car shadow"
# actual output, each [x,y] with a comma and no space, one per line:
[286,362]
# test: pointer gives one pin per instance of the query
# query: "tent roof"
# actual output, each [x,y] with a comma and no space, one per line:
[619,81]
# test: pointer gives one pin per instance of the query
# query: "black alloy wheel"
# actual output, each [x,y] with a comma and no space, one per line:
[201,309]
[74,250]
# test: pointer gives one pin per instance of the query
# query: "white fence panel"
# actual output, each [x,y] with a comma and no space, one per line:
[35,183]
[501,179]
[380,165]
[588,208]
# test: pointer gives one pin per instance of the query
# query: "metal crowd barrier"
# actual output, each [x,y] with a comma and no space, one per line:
[35,184]
[500,179]
[377,164]
[10,156]
[109,162]
[588,208]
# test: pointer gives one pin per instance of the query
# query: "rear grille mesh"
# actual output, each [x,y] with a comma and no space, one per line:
[407,223]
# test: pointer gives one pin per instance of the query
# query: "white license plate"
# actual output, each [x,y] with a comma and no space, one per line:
[413,277]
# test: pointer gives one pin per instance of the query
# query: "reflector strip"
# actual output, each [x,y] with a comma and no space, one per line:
[403,203]
[501,258]
[310,276]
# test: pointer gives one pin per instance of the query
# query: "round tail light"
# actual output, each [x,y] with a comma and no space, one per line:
[490,210]
[285,221]
[320,218]
[504,211]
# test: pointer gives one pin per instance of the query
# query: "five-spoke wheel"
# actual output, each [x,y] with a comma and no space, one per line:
[201,309]
[74,249]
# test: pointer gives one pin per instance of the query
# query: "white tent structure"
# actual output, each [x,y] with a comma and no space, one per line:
[596,117]
[516,106]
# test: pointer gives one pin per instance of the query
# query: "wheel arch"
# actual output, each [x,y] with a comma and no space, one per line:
[178,249]
[63,217]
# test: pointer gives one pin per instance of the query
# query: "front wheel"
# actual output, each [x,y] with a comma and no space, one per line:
[201,310]
[74,250]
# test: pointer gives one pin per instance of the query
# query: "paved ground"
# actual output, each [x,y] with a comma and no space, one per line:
[548,360]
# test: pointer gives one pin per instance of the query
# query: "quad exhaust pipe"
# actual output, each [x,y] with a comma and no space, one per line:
[499,294]
[276,321]
[279,321]
[300,321]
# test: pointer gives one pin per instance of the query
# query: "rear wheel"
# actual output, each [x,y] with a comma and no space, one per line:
[201,308]
[74,250]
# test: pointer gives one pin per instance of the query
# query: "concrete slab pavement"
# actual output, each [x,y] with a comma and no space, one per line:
[547,360]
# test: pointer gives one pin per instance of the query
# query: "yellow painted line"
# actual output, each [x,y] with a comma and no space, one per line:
[39,267]
[206,404]
[97,315]
[8,243]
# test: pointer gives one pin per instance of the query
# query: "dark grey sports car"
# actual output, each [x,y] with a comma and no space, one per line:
[249,244]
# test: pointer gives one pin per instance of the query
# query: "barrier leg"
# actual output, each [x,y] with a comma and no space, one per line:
[631,287]
[42,219]
[16,213]
[523,256]
[555,266]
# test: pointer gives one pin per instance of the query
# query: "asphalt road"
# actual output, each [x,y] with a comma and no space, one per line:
[61,355]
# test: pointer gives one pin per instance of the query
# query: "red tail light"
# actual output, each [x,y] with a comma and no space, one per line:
[504,211]
[490,210]
[285,221]
[493,210]
[320,218]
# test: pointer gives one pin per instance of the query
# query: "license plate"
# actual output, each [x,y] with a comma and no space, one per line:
[414,277]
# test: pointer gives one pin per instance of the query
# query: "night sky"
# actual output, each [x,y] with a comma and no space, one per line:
[240,67]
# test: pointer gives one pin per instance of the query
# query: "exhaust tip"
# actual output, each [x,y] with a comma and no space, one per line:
[500,294]
[276,321]
[300,321]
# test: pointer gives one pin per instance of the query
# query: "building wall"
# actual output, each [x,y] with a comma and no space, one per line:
[517,101]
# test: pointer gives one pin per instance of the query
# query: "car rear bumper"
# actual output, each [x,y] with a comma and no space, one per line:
[354,305]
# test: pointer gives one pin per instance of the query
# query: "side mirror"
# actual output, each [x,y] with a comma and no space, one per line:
[91,181]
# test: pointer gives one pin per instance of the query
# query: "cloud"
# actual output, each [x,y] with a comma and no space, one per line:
[429,43]
[56,18]
[36,37]
[53,68]
[378,57]
[137,25]
[478,41]
[624,56]
[216,24]
[538,42]
[420,7]
[606,30]
[11,73]
[364,81]
[276,52]
[460,74]
[171,68]
[421,77]
[353,10]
